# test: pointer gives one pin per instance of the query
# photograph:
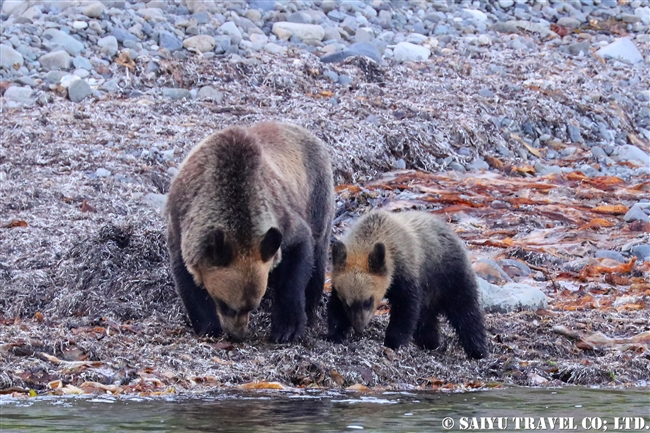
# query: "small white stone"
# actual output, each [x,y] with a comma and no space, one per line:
[477,14]
[79,25]
[484,40]
[67,80]
[102,172]
[406,51]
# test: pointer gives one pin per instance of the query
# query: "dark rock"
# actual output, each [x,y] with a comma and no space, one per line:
[122,35]
[169,41]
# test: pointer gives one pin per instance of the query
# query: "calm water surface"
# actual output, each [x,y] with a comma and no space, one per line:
[513,409]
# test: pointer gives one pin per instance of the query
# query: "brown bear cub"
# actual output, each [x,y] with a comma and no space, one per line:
[251,206]
[418,263]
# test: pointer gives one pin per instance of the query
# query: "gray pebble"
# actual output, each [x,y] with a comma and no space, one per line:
[111,86]
[628,152]
[82,62]
[366,49]
[641,252]
[9,57]
[168,41]
[332,76]
[93,10]
[152,67]
[456,166]
[209,92]
[568,22]
[108,45]
[577,48]
[478,164]
[21,95]
[176,93]
[56,60]
[486,93]
[336,15]
[63,40]
[345,80]
[609,254]
[102,172]
[598,152]
[574,133]
[122,35]
[636,213]
[79,90]
[300,17]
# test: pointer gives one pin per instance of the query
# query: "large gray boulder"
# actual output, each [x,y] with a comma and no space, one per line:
[510,297]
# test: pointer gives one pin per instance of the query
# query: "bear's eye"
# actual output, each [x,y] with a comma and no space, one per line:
[225,309]
[368,303]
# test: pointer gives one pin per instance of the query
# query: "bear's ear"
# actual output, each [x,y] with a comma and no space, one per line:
[270,244]
[377,259]
[218,250]
[339,253]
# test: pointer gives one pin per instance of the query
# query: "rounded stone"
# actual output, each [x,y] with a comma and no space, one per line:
[406,51]
[202,43]
[79,90]
[10,57]
[55,60]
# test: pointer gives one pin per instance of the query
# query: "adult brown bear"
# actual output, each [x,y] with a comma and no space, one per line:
[246,203]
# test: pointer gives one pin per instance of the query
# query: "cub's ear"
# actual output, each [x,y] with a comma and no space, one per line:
[270,244]
[218,250]
[377,259]
[339,253]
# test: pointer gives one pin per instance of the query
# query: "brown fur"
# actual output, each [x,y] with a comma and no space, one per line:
[240,183]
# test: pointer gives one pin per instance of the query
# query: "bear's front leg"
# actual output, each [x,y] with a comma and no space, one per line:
[338,322]
[199,304]
[288,319]
[404,298]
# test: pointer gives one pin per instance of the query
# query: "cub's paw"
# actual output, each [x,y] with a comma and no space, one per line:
[429,342]
[394,341]
[208,330]
[287,331]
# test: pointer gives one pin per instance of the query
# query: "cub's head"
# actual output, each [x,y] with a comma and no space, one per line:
[360,279]
[235,280]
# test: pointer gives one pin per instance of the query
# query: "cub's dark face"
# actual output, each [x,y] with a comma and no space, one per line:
[236,282]
[361,280]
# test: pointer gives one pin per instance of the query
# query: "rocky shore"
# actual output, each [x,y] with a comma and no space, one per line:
[526,124]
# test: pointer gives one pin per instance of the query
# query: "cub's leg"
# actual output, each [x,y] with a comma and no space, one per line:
[461,306]
[404,298]
[199,305]
[288,318]
[427,333]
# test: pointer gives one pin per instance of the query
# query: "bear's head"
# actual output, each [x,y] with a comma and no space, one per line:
[360,278]
[236,278]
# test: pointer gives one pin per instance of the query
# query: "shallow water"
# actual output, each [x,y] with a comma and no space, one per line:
[513,409]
